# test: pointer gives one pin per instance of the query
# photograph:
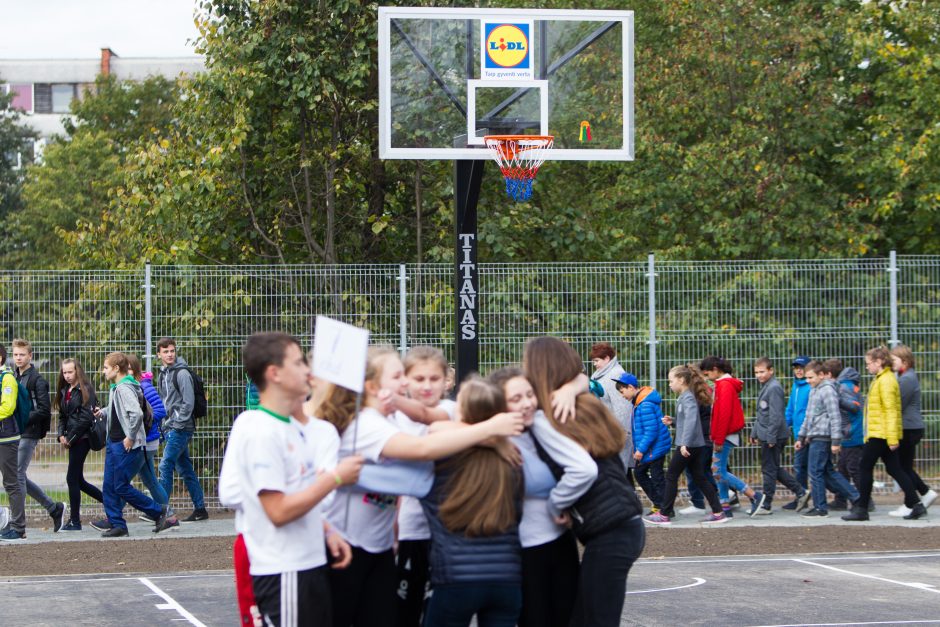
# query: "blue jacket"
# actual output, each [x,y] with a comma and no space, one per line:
[850,404]
[650,436]
[796,406]
[156,404]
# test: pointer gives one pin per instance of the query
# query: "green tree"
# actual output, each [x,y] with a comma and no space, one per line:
[15,147]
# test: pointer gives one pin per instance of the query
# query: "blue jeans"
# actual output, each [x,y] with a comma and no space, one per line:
[724,478]
[495,605]
[148,476]
[176,457]
[120,467]
[800,466]
[823,475]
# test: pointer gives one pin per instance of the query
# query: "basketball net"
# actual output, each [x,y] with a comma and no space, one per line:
[519,158]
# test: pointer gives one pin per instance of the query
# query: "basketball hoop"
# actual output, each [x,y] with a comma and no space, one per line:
[519,158]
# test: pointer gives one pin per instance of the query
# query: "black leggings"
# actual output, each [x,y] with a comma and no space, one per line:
[75,479]
[698,457]
[877,448]
[363,593]
[549,583]
[906,453]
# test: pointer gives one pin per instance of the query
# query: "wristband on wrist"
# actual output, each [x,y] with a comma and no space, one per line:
[337,478]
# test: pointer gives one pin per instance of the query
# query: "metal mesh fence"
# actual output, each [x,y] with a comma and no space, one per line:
[740,310]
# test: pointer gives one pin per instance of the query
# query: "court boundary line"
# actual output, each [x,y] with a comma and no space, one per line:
[171,603]
[917,586]
[891,622]
[697,582]
[128,577]
[834,557]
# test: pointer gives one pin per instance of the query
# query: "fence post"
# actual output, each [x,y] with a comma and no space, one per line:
[651,282]
[402,310]
[893,281]
[148,318]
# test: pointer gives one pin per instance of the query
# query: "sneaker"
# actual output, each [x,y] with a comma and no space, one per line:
[56,514]
[692,509]
[71,526]
[871,506]
[918,511]
[172,521]
[197,515]
[756,503]
[726,510]
[901,511]
[145,518]
[837,505]
[815,513]
[929,498]
[101,525]
[114,532]
[653,510]
[803,501]
[163,521]
[858,514]
[715,519]
[657,519]
[12,535]
[763,510]
[4,517]
[792,504]
[735,501]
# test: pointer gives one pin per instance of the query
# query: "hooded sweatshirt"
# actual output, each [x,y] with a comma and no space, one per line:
[823,418]
[650,434]
[688,424]
[124,411]
[911,417]
[178,399]
[620,407]
[850,402]
[796,406]
[727,413]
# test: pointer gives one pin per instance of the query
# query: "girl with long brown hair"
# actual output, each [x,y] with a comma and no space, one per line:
[604,511]
[75,401]
[364,593]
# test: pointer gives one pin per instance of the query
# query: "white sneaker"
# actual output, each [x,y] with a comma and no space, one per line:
[900,512]
[691,509]
[929,498]
[4,517]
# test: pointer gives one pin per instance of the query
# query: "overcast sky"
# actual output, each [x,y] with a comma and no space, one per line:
[78,29]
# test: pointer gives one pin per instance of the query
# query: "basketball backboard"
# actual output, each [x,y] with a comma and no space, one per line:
[447,77]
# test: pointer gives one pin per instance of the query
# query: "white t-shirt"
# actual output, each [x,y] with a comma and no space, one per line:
[323,439]
[268,452]
[370,524]
[412,523]
[538,526]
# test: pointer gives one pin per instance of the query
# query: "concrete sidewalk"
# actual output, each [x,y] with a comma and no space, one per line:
[215,526]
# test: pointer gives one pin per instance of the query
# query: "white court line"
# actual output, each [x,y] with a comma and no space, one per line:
[918,586]
[63,579]
[892,622]
[171,603]
[698,581]
[758,558]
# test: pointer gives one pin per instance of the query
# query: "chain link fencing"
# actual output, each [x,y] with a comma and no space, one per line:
[657,314]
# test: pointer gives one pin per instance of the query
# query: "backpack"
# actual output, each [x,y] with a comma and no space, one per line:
[98,432]
[849,397]
[24,402]
[147,409]
[200,403]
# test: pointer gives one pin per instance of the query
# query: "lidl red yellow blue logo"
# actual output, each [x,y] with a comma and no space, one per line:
[506,46]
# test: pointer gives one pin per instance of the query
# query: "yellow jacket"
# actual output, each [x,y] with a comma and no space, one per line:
[883,409]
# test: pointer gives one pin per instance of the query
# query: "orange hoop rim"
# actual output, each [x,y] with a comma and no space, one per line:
[510,150]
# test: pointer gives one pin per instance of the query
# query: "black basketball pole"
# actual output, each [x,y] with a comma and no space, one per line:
[468,175]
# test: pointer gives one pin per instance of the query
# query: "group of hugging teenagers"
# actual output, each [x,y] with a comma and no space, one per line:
[403,507]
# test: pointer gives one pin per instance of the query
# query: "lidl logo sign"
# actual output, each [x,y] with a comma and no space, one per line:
[506,53]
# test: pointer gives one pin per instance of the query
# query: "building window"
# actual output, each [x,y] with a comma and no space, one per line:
[22,97]
[42,98]
[62,95]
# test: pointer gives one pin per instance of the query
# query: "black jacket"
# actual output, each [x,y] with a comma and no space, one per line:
[75,415]
[41,416]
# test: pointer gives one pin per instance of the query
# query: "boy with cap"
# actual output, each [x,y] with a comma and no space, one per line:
[651,438]
[796,414]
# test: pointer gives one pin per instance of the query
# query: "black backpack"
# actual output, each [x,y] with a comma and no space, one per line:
[200,403]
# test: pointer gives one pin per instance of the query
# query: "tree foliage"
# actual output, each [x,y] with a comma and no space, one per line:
[15,146]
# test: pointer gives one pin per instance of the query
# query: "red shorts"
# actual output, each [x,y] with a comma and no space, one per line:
[244,590]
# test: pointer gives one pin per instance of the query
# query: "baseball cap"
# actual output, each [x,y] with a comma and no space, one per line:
[625,378]
[800,360]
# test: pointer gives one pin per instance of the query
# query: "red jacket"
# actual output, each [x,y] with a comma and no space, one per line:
[727,413]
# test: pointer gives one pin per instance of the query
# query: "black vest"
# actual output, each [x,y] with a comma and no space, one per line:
[609,502]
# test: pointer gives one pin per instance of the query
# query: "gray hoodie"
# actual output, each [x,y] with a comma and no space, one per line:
[621,408]
[911,417]
[823,418]
[124,405]
[688,425]
[178,399]
[770,418]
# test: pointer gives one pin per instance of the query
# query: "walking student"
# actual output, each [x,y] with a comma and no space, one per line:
[796,413]
[271,477]
[15,529]
[36,428]
[179,398]
[853,428]
[606,370]
[771,433]
[75,401]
